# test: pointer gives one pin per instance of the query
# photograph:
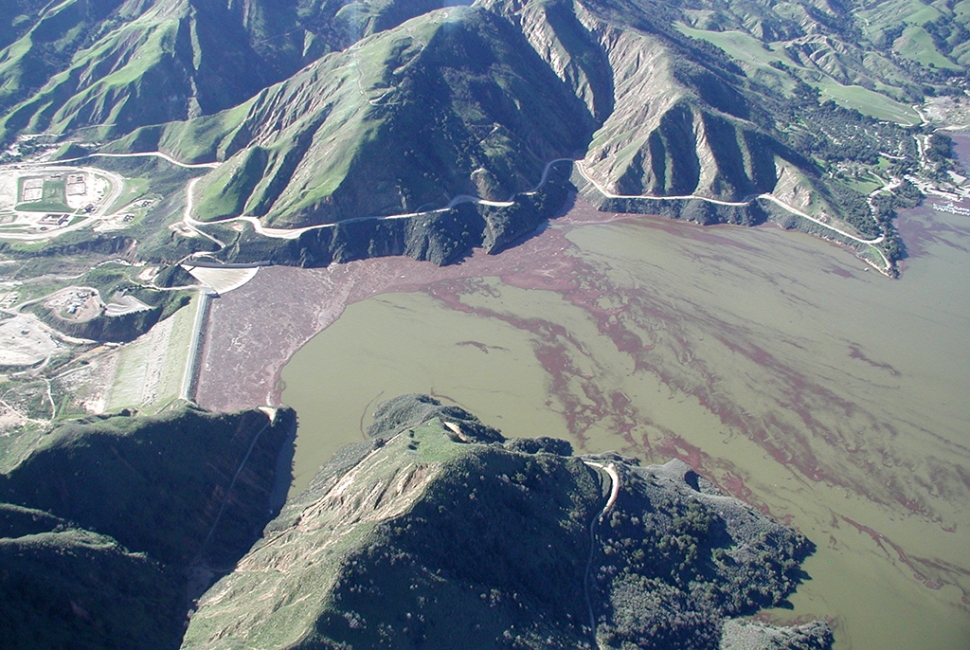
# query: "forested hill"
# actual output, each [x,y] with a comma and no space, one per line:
[441,533]
[110,525]
[436,532]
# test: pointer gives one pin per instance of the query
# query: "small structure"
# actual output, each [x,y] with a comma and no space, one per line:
[54,219]
[77,185]
[32,190]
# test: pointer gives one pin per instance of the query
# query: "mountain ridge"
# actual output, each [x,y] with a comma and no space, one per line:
[440,531]
[110,525]
[368,110]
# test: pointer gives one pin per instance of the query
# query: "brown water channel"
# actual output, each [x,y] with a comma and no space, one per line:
[828,395]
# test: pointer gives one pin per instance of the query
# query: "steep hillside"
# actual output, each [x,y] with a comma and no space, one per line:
[319,113]
[408,119]
[439,533]
[454,103]
[700,136]
[166,477]
[109,525]
[108,66]
[684,115]
[448,104]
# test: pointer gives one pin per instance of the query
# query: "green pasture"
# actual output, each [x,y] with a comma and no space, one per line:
[869,102]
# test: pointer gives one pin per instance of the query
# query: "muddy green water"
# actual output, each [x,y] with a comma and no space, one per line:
[827,395]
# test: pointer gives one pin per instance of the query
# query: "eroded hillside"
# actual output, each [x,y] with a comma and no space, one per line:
[324,124]
[441,533]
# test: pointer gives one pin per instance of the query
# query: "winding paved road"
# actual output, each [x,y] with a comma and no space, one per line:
[614,491]
[148,154]
[746,201]
[292,233]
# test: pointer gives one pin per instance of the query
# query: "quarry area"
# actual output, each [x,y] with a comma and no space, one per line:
[26,341]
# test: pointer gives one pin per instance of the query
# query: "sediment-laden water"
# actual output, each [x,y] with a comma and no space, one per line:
[826,394]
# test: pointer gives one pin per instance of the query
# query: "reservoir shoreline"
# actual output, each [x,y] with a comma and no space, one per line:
[774,363]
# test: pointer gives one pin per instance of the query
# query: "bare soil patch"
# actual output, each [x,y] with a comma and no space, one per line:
[25,341]
[75,304]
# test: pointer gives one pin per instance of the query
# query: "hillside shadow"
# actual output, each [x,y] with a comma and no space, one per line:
[568,204]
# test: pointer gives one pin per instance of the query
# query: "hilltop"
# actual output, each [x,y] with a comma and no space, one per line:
[439,532]
[435,532]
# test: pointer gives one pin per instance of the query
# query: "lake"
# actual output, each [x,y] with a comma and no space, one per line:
[821,392]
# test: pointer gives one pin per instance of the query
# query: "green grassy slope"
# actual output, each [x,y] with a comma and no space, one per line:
[183,490]
[169,62]
[373,131]
[439,534]
[400,107]
[441,106]
[711,99]
[102,68]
